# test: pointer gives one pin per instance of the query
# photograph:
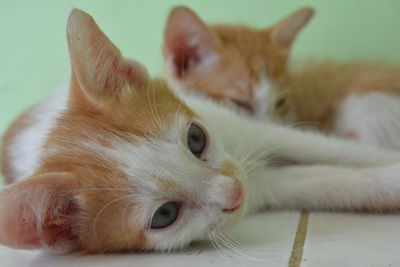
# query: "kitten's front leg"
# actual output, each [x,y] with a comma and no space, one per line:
[240,135]
[313,148]
[322,187]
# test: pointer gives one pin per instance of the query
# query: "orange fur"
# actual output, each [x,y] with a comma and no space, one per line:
[241,53]
[314,100]
[227,169]
[310,94]
[239,65]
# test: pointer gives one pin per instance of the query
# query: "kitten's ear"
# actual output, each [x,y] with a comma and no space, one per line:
[285,31]
[99,70]
[39,212]
[188,42]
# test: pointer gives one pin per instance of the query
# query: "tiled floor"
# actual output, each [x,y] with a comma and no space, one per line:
[351,240]
[267,239]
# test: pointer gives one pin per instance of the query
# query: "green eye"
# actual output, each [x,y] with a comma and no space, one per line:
[197,140]
[165,215]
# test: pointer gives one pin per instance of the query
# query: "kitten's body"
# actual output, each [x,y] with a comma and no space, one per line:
[355,100]
[251,68]
[115,149]
[24,140]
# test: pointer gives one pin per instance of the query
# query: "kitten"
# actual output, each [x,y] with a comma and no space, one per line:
[251,68]
[122,162]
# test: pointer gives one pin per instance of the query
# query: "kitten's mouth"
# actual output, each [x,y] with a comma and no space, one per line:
[232,209]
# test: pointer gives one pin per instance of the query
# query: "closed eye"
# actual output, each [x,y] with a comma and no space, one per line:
[242,105]
[280,102]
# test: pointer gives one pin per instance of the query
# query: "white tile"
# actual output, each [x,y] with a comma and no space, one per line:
[345,239]
[267,237]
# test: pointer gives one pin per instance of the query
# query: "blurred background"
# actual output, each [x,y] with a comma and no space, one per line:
[33,51]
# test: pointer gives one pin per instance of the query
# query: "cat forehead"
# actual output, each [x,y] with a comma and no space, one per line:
[250,43]
[142,111]
[251,48]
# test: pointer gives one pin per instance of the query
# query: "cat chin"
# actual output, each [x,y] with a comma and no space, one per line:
[226,221]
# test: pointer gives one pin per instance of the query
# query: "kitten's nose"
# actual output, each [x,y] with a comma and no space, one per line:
[236,199]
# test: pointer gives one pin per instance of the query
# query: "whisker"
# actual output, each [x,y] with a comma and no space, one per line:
[218,248]
[124,224]
[156,110]
[304,123]
[94,224]
[100,189]
[239,252]
[156,126]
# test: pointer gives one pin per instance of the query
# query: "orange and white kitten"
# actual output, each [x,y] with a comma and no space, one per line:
[122,162]
[251,68]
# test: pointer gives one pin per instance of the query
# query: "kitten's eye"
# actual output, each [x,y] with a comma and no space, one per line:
[242,105]
[165,215]
[280,102]
[197,140]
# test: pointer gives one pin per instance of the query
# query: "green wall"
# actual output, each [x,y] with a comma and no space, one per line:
[33,53]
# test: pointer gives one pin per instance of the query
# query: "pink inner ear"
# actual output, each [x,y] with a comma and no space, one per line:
[119,72]
[187,40]
[57,228]
[184,56]
[37,215]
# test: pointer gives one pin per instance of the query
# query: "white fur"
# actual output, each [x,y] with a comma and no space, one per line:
[330,188]
[25,147]
[373,117]
[262,98]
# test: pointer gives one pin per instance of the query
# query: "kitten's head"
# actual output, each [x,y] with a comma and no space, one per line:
[233,64]
[128,166]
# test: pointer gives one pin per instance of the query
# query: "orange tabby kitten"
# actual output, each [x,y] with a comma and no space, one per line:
[250,68]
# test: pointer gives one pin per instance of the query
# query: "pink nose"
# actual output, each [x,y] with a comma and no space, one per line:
[236,200]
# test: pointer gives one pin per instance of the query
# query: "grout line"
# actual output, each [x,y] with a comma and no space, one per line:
[298,243]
